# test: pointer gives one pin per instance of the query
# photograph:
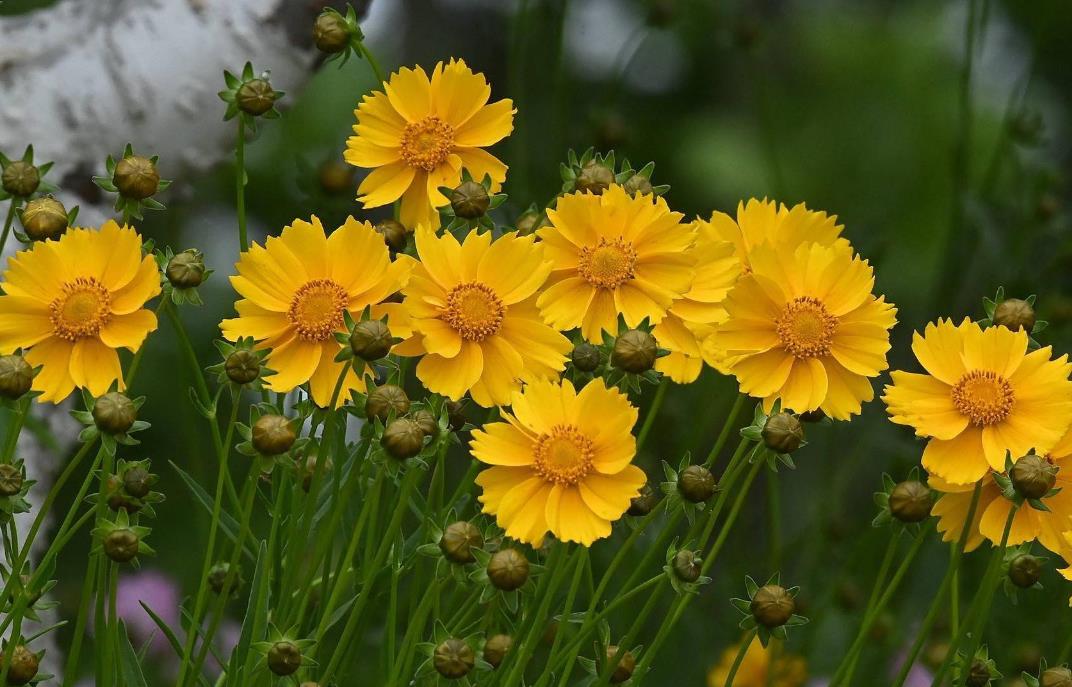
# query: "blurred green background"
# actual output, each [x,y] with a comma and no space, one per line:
[951,183]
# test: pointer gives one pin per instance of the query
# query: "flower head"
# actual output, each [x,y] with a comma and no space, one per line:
[295,291]
[982,395]
[561,463]
[803,327]
[472,313]
[764,222]
[419,132]
[73,302]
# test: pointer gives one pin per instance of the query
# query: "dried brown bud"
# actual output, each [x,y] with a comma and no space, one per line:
[626,664]
[273,435]
[529,222]
[16,376]
[136,177]
[634,351]
[772,606]
[812,416]
[453,659]
[456,415]
[978,674]
[696,484]
[458,541]
[1058,676]
[222,580]
[371,340]
[1015,314]
[496,648]
[911,501]
[394,234]
[638,185]
[508,569]
[44,218]
[114,413]
[783,433]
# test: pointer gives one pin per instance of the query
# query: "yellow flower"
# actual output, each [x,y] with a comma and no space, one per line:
[472,308]
[766,222]
[418,133]
[692,319]
[1048,527]
[803,327]
[295,290]
[614,254]
[561,463]
[789,671]
[73,302]
[983,395]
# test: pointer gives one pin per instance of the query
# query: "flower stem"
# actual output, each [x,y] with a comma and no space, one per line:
[727,427]
[653,412]
[240,184]
[8,221]
[745,643]
[14,429]
[556,571]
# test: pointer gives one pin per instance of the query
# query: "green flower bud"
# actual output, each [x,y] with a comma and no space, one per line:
[394,234]
[427,421]
[24,665]
[772,606]
[121,545]
[186,270]
[1015,314]
[243,366]
[1033,476]
[585,357]
[114,413]
[686,566]
[496,648]
[20,179]
[255,97]
[138,481]
[1025,570]
[331,33]
[696,484]
[284,658]
[626,664]
[453,659]
[595,177]
[643,503]
[222,580]
[309,469]
[136,177]
[16,376]
[1059,676]
[529,222]
[44,218]
[470,200]
[383,399]
[911,501]
[783,433]
[273,435]
[508,569]
[11,480]
[403,438]
[456,415]
[634,351]
[458,541]
[371,340]
[638,185]
[978,674]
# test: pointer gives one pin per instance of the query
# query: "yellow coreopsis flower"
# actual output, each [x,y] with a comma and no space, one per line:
[983,395]
[295,290]
[73,302]
[804,327]
[762,222]
[471,308]
[561,463]
[419,132]
[614,254]
[757,666]
[693,318]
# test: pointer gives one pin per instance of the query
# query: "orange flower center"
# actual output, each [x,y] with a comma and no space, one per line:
[82,309]
[805,328]
[564,456]
[474,311]
[316,309]
[427,143]
[985,397]
[608,264]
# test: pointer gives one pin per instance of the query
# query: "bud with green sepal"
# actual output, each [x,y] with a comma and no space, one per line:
[469,203]
[623,660]
[283,654]
[770,609]
[1013,313]
[1031,479]
[1022,569]
[25,663]
[130,488]
[643,503]
[631,356]
[449,657]
[120,540]
[16,377]
[689,487]
[135,180]
[594,173]
[530,221]
[20,179]
[242,367]
[776,434]
[249,96]
[365,341]
[113,418]
[977,671]
[30,593]
[270,438]
[683,569]
[183,273]
[45,218]
[223,579]
[13,489]
[496,648]
[908,502]
[1057,676]
[338,35]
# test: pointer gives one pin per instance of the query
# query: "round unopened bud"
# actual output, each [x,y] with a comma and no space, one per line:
[138,481]
[634,351]
[638,185]
[427,421]
[403,438]
[772,606]
[508,569]
[309,470]
[331,33]
[812,416]
[642,503]
[1033,476]
[1025,570]
[284,658]
[585,357]
[470,200]
[24,665]
[456,415]
[255,97]
[273,435]
[529,221]
[16,376]
[384,399]
[336,177]
[394,234]
[686,566]
[243,366]
[11,479]
[1058,676]
[20,178]
[911,501]
[1015,314]
[187,269]
[696,484]
[453,659]
[222,580]
[121,545]
[783,433]
[626,664]
[595,177]
[496,648]
[371,340]
[136,177]
[978,674]
[114,413]
[458,541]
[44,218]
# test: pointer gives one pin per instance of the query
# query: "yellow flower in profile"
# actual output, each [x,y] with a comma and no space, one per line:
[73,302]
[983,395]
[561,463]
[1049,528]
[804,327]
[757,666]
[692,319]
[762,222]
[614,254]
[295,290]
[471,308]
[419,132]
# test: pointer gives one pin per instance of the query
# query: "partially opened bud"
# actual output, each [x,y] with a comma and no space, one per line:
[136,177]
[44,218]
[114,413]
[453,659]
[24,665]
[273,435]
[1058,676]
[638,185]
[595,177]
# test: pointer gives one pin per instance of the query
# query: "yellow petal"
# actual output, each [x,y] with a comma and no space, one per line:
[409,91]
[417,209]
[939,349]
[294,363]
[141,288]
[570,519]
[378,121]
[998,349]
[457,92]
[601,316]
[54,380]
[764,373]
[480,162]
[563,304]
[521,510]
[326,376]
[924,403]
[23,322]
[128,331]
[845,391]
[500,443]
[452,377]
[496,482]
[806,386]
[608,496]
[501,375]
[513,267]
[959,460]
[488,126]
[94,366]
[387,184]
[362,152]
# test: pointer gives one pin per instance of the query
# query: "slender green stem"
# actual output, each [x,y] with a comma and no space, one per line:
[1066,652]
[876,589]
[954,592]
[367,54]
[70,673]
[774,517]
[723,435]
[8,221]
[14,429]
[653,412]
[745,643]
[240,184]
[627,639]
[556,571]
[571,595]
